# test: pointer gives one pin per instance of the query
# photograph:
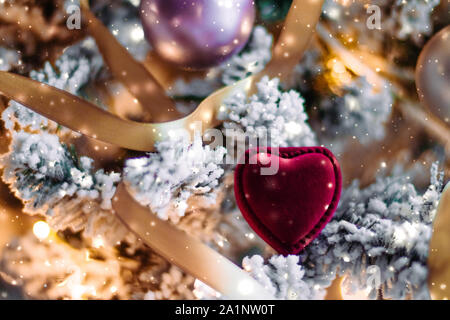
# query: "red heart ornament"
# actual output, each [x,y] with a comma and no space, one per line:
[288,209]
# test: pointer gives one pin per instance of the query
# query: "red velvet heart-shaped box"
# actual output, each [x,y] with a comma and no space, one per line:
[288,195]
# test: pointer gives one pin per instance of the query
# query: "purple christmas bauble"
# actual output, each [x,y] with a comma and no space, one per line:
[197,34]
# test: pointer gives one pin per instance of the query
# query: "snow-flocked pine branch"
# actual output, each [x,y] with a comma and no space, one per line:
[8,58]
[275,117]
[77,66]
[165,180]
[385,228]
[387,225]
[282,277]
[52,181]
[361,111]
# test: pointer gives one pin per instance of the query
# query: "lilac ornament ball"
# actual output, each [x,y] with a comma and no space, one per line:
[197,34]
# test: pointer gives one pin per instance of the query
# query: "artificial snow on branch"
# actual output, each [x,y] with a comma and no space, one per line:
[74,69]
[174,284]
[8,58]
[52,181]
[361,112]
[43,171]
[251,60]
[400,19]
[387,225]
[413,18]
[282,277]
[271,113]
[165,180]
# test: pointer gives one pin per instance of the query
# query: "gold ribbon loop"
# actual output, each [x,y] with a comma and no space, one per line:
[80,115]
[439,253]
[157,106]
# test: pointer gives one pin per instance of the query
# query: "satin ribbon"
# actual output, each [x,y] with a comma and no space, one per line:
[439,253]
[79,115]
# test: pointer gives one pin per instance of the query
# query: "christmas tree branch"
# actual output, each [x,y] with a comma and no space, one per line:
[433,126]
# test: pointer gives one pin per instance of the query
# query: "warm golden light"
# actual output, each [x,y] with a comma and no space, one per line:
[338,75]
[98,242]
[356,294]
[41,230]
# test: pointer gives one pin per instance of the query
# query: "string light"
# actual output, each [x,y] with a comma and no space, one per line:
[338,75]
[98,242]
[41,230]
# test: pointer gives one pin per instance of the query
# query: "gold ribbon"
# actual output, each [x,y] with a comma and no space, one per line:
[296,34]
[84,117]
